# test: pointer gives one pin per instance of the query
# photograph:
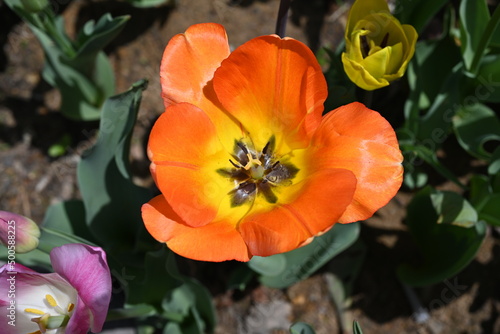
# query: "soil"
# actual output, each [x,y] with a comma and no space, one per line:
[31,180]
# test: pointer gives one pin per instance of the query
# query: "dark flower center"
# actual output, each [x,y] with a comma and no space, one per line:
[256,173]
[365,44]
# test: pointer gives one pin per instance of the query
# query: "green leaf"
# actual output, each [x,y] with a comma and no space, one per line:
[484,42]
[190,305]
[453,209]
[490,210]
[485,198]
[485,87]
[431,67]
[494,167]
[446,248]
[150,283]
[35,258]
[130,312]
[342,273]
[480,189]
[474,17]
[475,125]
[151,3]
[240,277]
[356,328]
[112,201]
[282,270]
[418,13]
[64,223]
[94,37]
[301,328]
[430,157]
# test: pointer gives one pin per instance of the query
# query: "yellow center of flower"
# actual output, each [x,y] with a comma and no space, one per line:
[255,173]
[46,320]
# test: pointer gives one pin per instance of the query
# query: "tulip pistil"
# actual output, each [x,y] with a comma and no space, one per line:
[256,173]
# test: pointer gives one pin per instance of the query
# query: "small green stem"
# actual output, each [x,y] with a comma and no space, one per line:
[71,238]
[485,40]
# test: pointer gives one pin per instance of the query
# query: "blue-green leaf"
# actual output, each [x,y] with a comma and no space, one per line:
[418,13]
[356,328]
[282,270]
[446,248]
[301,328]
[475,125]
[112,201]
[474,17]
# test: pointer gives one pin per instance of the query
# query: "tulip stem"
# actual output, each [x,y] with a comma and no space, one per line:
[368,98]
[282,18]
[485,39]
[71,238]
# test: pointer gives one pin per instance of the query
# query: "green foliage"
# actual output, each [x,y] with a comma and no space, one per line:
[190,309]
[356,328]
[474,16]
[79,69]
[282,270]
[104,177]
[418,13]
[446,229]
[475,125]
[485,196]
[301,328]
[151,3]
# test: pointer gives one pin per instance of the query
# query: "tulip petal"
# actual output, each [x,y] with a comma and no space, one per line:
[186,155]
[395,57]
[189,62]
[86,269]
[186,72]
[360,76]
[362,8]
[360,140]
[376,63]
[217,241]
[30,289]
[80,322]
[316,204]
[273,86]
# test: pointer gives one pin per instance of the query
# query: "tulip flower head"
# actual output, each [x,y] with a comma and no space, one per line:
[73,300]
[18,233]
[245,161]
[378,47]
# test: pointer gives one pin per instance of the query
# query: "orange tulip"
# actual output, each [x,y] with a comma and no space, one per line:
[244,160]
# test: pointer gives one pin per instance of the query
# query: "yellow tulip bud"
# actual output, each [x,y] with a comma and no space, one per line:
[378,46]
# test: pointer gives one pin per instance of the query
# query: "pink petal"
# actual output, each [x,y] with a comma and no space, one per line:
[86,269]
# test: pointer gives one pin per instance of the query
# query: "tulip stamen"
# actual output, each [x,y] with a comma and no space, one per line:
[47,320]
[256,173]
